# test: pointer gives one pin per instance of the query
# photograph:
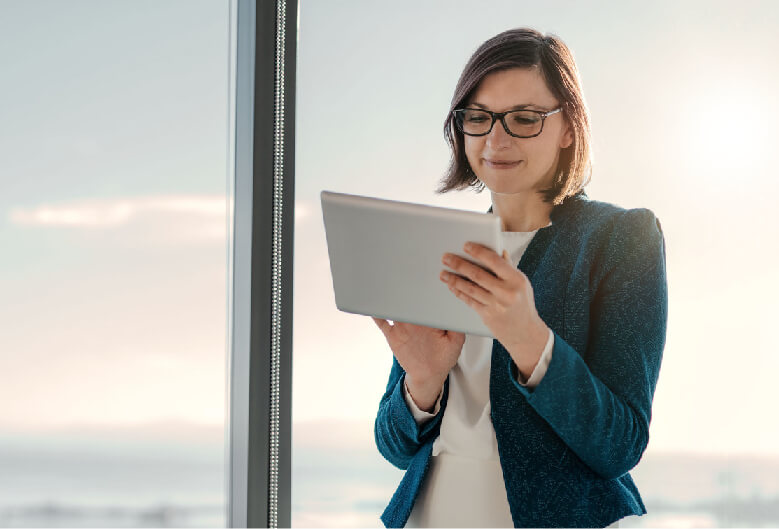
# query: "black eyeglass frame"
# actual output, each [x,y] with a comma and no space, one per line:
[459,117]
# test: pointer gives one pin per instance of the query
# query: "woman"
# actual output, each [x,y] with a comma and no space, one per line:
[540,426]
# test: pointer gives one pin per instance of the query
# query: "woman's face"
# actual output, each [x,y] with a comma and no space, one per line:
[533,160]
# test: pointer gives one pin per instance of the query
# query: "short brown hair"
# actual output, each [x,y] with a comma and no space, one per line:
[526,48]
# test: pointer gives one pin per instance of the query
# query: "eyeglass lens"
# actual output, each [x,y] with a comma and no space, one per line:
[520,122]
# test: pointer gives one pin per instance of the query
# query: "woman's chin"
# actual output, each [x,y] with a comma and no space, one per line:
[505,186]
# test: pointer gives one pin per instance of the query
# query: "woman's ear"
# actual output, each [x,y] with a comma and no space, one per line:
[567,138]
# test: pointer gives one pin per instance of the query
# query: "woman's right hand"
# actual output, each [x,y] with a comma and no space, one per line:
[425,354]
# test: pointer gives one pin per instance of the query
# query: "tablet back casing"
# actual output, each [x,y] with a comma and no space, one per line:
[385,258]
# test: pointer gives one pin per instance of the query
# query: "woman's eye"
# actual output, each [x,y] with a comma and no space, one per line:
[520,120]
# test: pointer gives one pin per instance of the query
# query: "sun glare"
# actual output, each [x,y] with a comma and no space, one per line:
[727,130]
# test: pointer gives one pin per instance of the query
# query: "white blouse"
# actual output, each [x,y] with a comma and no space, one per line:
[464,486]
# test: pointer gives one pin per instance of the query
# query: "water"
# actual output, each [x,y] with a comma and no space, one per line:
[339,480]
[76,481]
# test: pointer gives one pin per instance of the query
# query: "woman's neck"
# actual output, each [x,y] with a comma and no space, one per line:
[521,211]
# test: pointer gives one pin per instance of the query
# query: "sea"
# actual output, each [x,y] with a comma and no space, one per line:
[93,478]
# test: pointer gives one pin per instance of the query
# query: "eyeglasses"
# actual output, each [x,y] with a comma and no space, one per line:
[517,123]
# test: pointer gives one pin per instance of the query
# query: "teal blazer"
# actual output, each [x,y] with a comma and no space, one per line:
[565,447]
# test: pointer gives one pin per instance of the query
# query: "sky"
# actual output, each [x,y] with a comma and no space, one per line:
[113,159]
[683,117]
[113,166]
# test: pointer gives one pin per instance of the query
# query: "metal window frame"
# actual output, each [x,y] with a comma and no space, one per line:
[259,382]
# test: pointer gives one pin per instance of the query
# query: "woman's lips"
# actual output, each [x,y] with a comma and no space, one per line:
[500,164]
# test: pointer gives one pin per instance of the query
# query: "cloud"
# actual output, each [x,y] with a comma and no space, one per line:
[161,218]
[158,219]
[107,213]
[302,210]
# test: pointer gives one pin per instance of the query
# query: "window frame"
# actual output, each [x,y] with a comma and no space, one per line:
[260,255]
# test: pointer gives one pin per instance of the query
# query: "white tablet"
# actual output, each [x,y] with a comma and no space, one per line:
[385,258]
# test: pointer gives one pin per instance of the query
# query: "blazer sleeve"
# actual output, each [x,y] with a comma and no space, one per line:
[601,407]
[397,434]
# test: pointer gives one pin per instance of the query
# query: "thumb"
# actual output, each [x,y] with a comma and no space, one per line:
[383,325]
[506,256]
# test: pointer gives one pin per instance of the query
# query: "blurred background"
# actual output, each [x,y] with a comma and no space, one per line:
[113,227]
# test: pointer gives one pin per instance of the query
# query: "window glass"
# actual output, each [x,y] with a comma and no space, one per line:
[374,86]
[113,225]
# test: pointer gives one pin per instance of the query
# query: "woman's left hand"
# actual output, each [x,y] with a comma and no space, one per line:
[503,296]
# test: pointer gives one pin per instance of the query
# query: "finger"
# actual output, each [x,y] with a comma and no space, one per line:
[473,291]
[499,265]
[478,275]
[467,299]
[456,335]
[382,324]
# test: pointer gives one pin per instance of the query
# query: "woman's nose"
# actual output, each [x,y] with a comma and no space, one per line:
[498,137]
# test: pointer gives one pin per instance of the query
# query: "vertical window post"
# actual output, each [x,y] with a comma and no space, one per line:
[260,342]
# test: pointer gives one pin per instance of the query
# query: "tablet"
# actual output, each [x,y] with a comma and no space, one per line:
[385,258]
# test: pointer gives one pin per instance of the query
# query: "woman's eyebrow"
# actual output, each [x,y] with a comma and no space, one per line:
[515,107]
